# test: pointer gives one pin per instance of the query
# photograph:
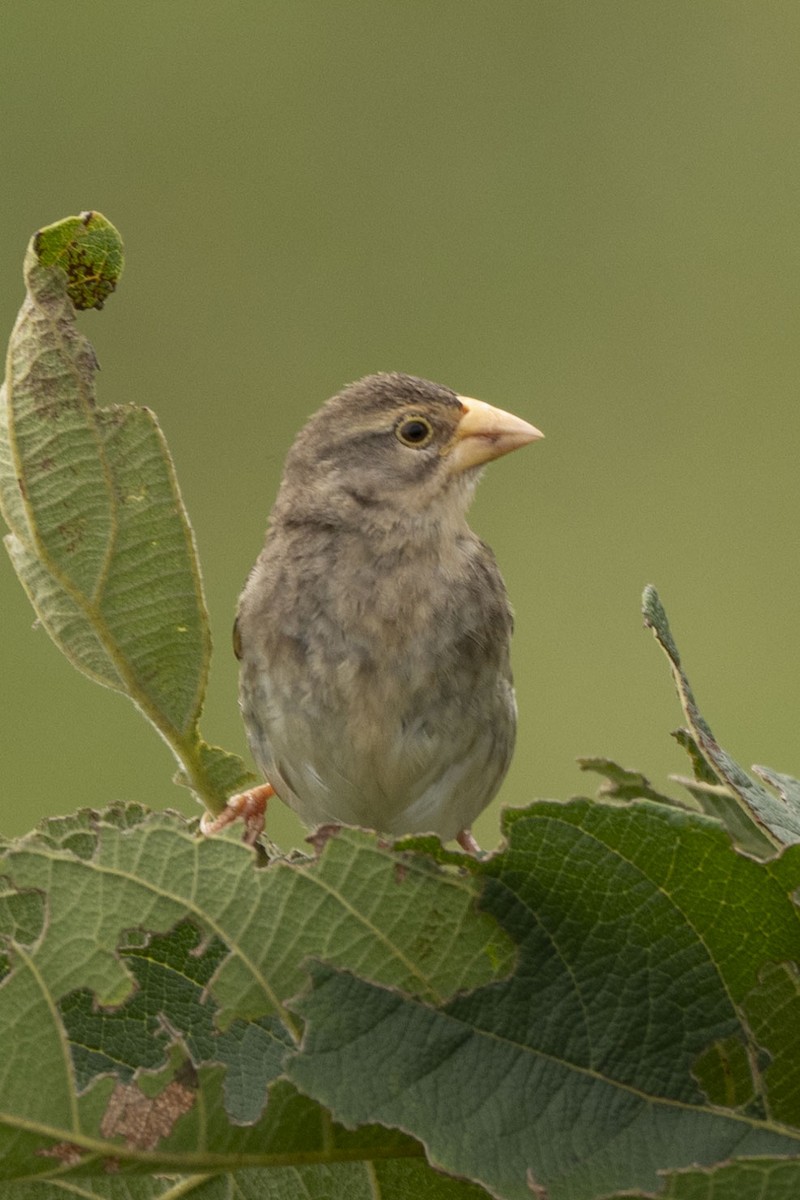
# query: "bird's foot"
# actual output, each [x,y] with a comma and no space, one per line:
[467,842]
[249,806]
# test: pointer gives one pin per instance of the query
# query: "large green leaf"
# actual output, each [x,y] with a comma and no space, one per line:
[99,535]
[147,975]
[635,1036]
[754,1179]
[375,1179]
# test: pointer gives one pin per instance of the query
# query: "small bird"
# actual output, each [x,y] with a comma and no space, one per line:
[373,631]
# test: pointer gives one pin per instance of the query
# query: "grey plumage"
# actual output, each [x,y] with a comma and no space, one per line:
[374,628]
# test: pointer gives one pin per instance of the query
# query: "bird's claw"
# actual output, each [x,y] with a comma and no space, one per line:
[249,806]
[467,842]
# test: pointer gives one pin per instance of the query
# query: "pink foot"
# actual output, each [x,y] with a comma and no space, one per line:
[250,807]
[467,842]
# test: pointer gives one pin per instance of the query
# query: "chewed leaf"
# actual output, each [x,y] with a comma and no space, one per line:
[724,1072]
[621,782]
[172,973]
[628,1042]
[99,528]
[99,535]
[718,801]
[89,251]
[786,786]
[700,768]
[774,1011]
[760,1178]
[156,949]
[777,820]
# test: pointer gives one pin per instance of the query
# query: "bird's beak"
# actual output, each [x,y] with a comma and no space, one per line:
[484,433]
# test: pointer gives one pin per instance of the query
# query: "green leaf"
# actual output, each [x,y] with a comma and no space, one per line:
[777,819]
[700,769]
[643,945]
[773,1008]
[787,788]
[376,1179]
[716,800]
[622,783]
[89,251]
[99,535]
[757,1179]
[725,1074]
[172,972]
[153,995]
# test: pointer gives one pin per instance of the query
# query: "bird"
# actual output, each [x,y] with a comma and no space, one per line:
[373,631]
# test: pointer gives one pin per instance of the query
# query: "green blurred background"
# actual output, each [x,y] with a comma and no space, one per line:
[584,212]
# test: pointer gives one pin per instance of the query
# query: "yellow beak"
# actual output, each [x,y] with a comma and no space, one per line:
[484,433]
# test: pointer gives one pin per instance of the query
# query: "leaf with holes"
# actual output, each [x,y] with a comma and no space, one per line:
[648,1025]
[147,976]
[99,535]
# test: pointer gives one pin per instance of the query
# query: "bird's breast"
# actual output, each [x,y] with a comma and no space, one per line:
[372,686]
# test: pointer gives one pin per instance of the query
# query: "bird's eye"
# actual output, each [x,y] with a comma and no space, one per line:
[414,431]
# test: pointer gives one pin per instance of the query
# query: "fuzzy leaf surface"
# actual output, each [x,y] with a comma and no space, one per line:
[409,1179]
[756,1179]
[777,817]
[147,977]
[99,535]
[647,956]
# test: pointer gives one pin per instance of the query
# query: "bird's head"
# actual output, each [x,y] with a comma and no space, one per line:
[393,446]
